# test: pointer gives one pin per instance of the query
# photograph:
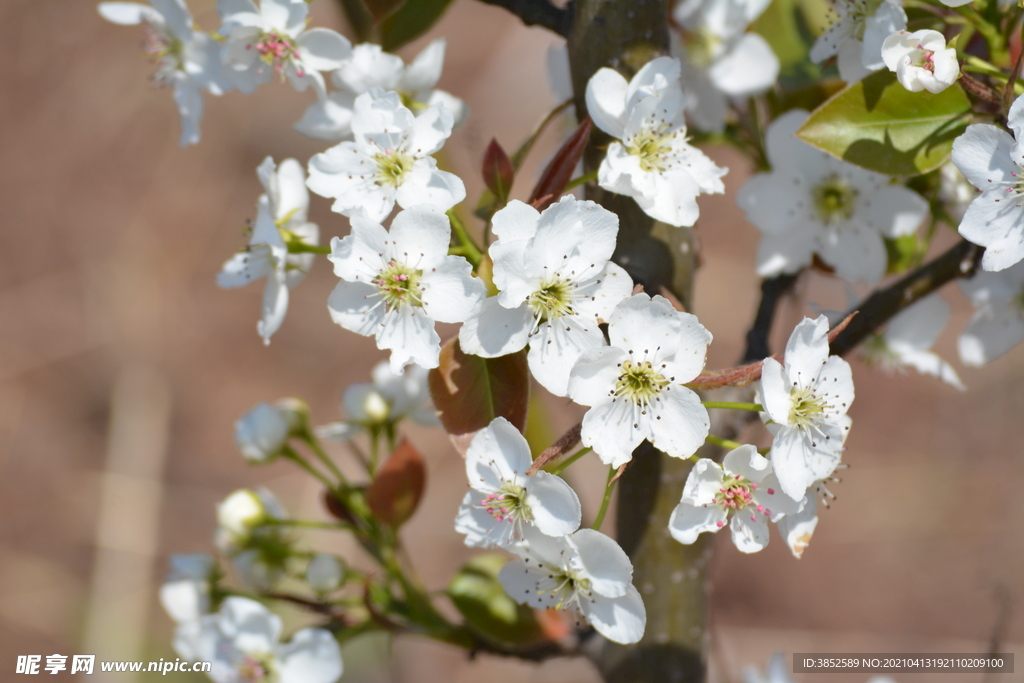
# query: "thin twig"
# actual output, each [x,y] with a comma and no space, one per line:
[960,261]
[772,289]
[565,443]
[539,13]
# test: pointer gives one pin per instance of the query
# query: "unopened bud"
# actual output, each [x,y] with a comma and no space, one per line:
[241,512]
[324,573]
[262,433]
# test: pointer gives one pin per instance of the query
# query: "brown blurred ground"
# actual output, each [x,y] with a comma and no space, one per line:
[110,237]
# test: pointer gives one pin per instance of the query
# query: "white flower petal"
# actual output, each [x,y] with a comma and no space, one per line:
[798,527]
[749,531]
[356,306]
[556,347]
[425,71]
[678,422]
[323,49]
[806,351]
[609,429]
[750,67]
[555,506]
[895,211]
[493,330]
[312,656]
[620,620]
[275,307]
[690,521]
[431,186]
[520,580]
[982,154]
[409,334]
[592,379]
[603,562]
[990,334]
[606,101]
[249,624]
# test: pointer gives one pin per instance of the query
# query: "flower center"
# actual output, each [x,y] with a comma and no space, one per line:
[566,587]
[860,11]
[275,50]
[806,408]
[701,46]
[508,505]
[552,300]
[165,50]
[392,165]
[834,199]
[924,59]
[398,284]
[256,668]
[654,148]
[876,353]
[735,494]
[639,382]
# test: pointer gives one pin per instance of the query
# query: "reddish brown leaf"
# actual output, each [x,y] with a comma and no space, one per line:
[565,443]
[470,391]
[559,172]
[396,491]
[834,332]
[498,171]
[337,508]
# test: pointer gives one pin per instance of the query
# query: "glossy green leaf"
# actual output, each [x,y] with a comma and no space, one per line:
[878,124]
[785,25]
[410,21]
[486,606]
[903,253]
[470,391]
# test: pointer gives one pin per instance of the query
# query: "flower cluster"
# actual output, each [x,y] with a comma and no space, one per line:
[253,45]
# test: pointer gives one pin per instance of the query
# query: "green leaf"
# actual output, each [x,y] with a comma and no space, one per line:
[903,253]
[359,18]
[785,25]
[470,391]
[410,21]
[878,124]
[488,609]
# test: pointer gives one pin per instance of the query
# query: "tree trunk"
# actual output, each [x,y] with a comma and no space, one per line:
[671,577]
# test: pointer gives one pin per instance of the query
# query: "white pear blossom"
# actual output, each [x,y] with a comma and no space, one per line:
[187,60]
[635,387]
[998,322]
[280,222]
[720,59]
[556,281]
[650,159]
[261,434]
[387,400]
[907,338]
[921,60]
[503,500]
[395,285]
[798,527]
[242,643]
[586,572]
[272,40]
[389,161]
[812,203]
[993,161]
[185,594]
[742,491]
[243,512]
[369,67]
[806,402]
[324,573]
[856,36]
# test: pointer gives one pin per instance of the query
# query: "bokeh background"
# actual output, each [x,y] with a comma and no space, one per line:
[123,368]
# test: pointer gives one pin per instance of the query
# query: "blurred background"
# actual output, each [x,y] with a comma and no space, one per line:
[123,368]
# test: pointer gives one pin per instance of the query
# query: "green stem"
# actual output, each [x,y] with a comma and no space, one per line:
[472,252]
[731,405]
[295,247]
[289,453]
[315,446]
[374,450]
[724,443]
[996,43]
[562,466]
[608,487]
[581,180]
[306,524]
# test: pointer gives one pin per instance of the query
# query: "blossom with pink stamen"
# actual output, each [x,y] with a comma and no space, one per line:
[503,500]
[740,491]
[186,59]
[921,60]
[272,40]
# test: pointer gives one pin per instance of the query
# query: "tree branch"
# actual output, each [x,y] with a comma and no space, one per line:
[960,261]
[772,289]
[539,13]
